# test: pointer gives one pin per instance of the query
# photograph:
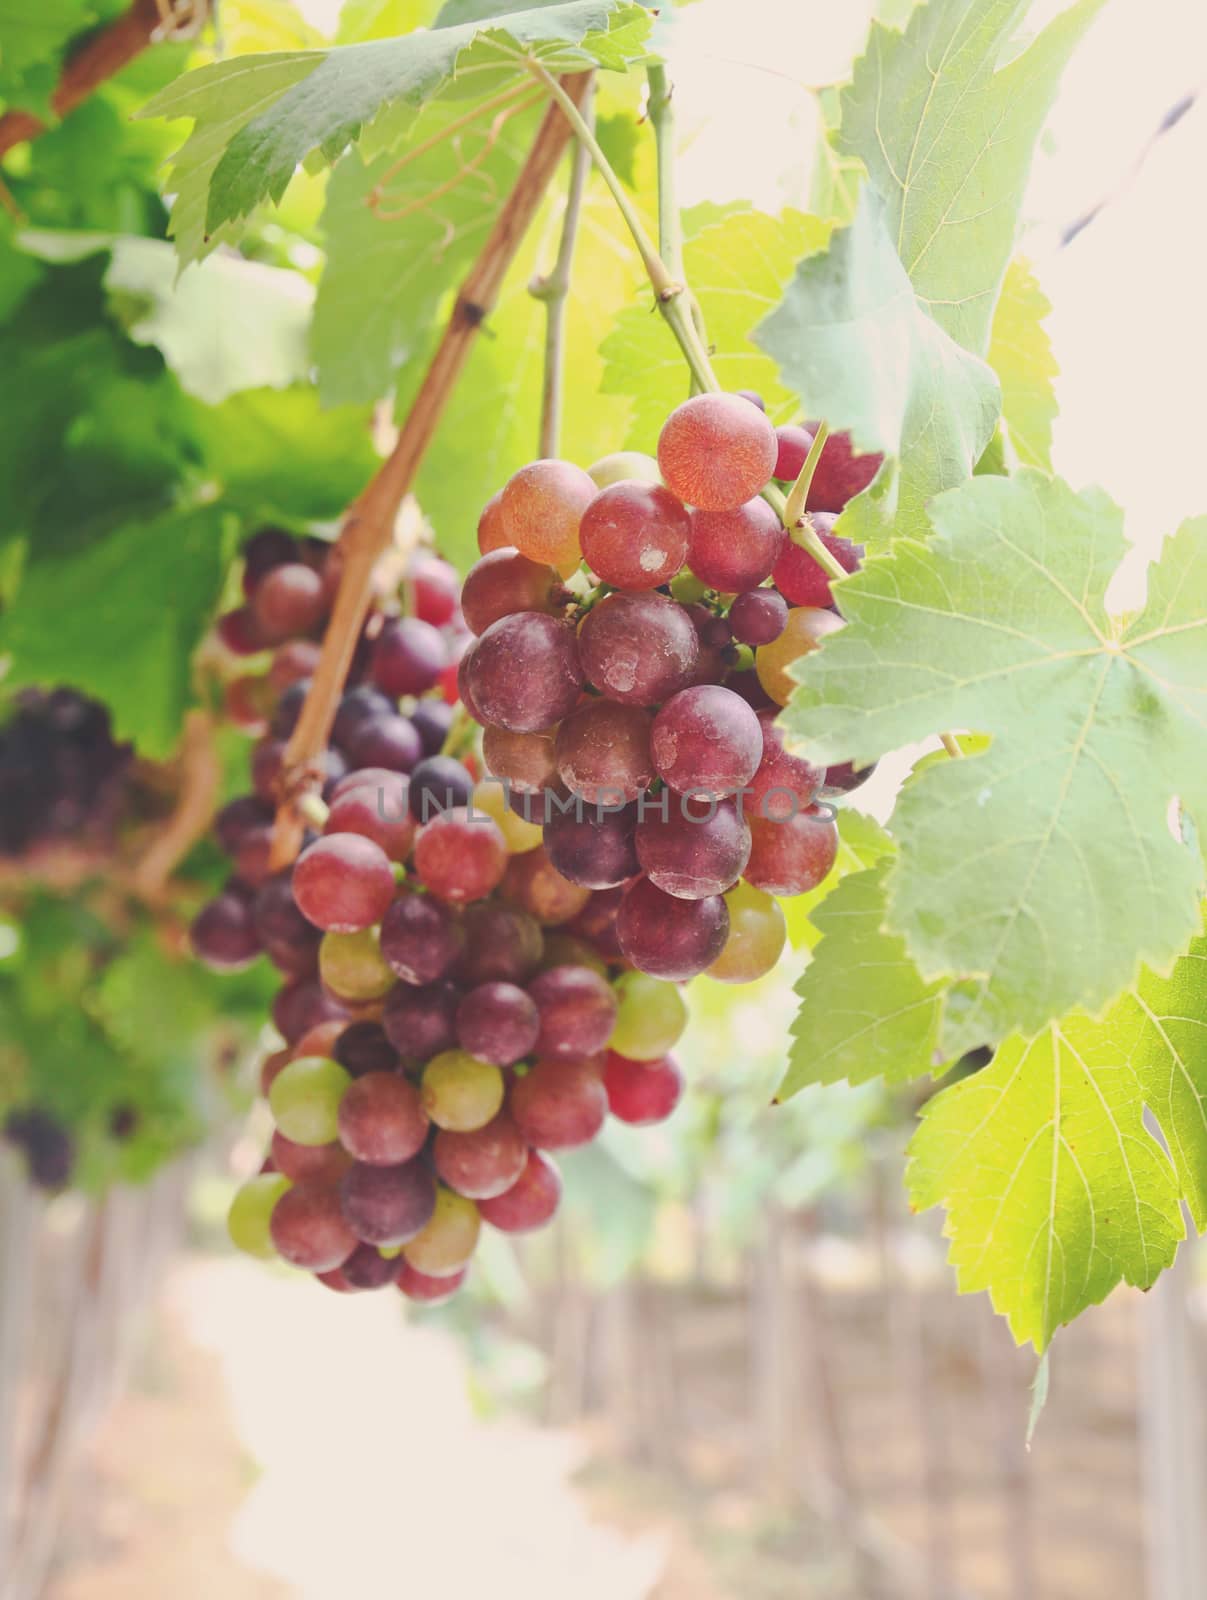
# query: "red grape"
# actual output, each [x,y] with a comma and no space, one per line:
[603,752]
[642,1092]
[322,1164]
[388,1205]
[793,856]
[706,741]
[593,848]
[638,648]
[424,1288]
[559,1105]
[421,1022]
[634,535]
[735,550]
[343,882]
[408,656]
[504,582]
[802,580]
[793,445]
[758,616]
[530,1202]
[524,672]
[693,849]
[485,1163]
[460,855]
[840,474]
[309,1230]
[492,534]
[375,814]
[717,451]
[784,783]
[535,884]
[224,934]
[381,1119]
[667,937]
[542,507]
[434,583]
[502,945]
[498,1022]
[420,938]
[367,1268]
[525,760]
[577,1012]
[289,600]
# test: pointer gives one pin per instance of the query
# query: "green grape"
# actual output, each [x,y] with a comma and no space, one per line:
[757,934]
[304,1099]
[461,1093]
[250,1216]
[353,967]
[449,1239]
[622,466]
[651,1019]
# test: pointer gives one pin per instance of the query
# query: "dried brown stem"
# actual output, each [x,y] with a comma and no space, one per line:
[200,784]
[370,521]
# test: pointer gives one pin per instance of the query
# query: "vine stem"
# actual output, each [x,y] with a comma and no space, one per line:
[200,787]
[553,289]
[660,107]
[794,508]
[369,525]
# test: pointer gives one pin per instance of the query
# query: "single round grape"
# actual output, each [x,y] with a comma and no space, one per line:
[408,656]
[559,1105]
[530,1202]
[421,938]
[267,548]
[735,550]
[249,1221]
[693,850]
[352,966]
[651,1017]
[435,585]
[238,818]
[420,1022]
[642,1092]
[706,741]
[498,1022]
[387,1206]
[638,648]
[503,583]
[431,720]
[375,814]
[568,950]
[758,616]
[460,1092]
[635,535]
[309,1229]
[389,742]
[438,784]
[805,630]
[757,935]
[670,938]
[358,706]
[289,600]
[503,944]
[603,752]
[525,760]
[343,883]
[784,783]
[802,580]
[494,800]
[542,506]
[449,1239]
[301,1005]
[239,631]
[492,534]
[426,1290]
[307,1163]
[845,777]
[577,1012]
[840,474]
[460,856]
[794,444]
[367,1269]
[224,934]
[791,857]
[593,848]
[305,1098]
[483,1164]
[524,672]
[534,883]
[362,1047]
[381,1120]
[717,451]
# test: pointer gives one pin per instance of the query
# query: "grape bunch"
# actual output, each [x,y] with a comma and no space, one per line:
[63,776]
[640,714]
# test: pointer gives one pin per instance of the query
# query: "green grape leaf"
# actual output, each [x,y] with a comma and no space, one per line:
[223,325]
[865,1012]
[497,402]
[1020,352]
[1041,873]
[851,339]
[390,264]
[276,452]
[258,118]
[862,842]
[945,125]
[738,263]
[360,20]
[1054,1187]
[136,600]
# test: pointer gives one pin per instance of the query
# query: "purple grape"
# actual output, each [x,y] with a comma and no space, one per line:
[707,741]
[357,707]
[758,616]
[667,937]
[593,847]
[431,720]
[420,1022]
[693,850]
[638,648]
[421,938]
[577,1010]
[498,1022]
[224,934]
[438,784]
[408,657]
[362,1048]
[524,672]
[388,1205]
[389,742]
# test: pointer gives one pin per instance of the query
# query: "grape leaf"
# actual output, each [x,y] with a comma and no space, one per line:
[137,599]
[737,263]
[945,131]
[258,118]
[1055,1189]
[382,19]
[223,325]
[1020,352]
[865,1012]
[851,339]
[861,844]
[1042,872]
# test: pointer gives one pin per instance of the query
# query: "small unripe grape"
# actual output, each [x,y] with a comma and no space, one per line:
[622,464]
[460,1092]
[249,1221]
[305,1098]
[757,935]
[449,1238]
[804,631]
[651,1017]
[716,451]
[493,801]
[352,966]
